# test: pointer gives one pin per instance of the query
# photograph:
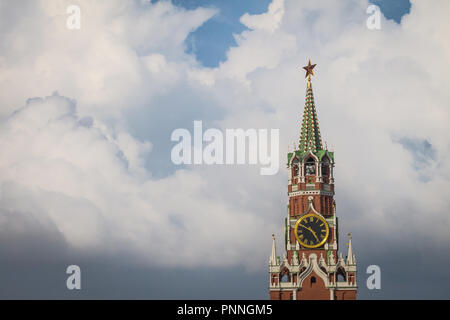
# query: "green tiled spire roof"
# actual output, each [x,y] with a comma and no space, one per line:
[310,138]
[310,133]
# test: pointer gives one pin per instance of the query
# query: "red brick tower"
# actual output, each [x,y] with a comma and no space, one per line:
[311,268]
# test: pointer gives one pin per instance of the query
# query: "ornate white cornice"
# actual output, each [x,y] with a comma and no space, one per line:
[312,266]
[311,192]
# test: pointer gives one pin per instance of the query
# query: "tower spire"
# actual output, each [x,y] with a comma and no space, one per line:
[310,134]
[273,256]
[350,256]
[311,231]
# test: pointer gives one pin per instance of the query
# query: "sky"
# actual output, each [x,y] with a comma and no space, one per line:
[86,118]
[211,40]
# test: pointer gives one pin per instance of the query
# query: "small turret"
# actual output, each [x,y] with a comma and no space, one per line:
[273,257]
[350,256]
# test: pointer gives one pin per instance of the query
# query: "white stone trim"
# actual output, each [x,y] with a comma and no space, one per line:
[312,266]
[311,192]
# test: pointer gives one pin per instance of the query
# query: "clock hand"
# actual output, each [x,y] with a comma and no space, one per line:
[310,230]
[314,234]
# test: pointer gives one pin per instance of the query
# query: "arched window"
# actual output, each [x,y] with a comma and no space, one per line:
[325,168]
[340,275]
[310,167]
[313,281]
[274,278]
[295,168]
[284,275]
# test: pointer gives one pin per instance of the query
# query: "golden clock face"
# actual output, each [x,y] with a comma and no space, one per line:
[311,230]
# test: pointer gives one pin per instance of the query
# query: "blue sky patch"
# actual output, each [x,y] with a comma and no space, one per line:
[211,41]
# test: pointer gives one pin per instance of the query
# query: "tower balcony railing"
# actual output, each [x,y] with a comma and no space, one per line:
[282,285]
[290,284]
[344,284]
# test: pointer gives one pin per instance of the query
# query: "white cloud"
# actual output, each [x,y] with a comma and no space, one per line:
[109,63]
[78,169]
[92,187]
[269,21]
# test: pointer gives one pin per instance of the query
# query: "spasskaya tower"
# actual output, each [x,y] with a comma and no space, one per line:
[311,267]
